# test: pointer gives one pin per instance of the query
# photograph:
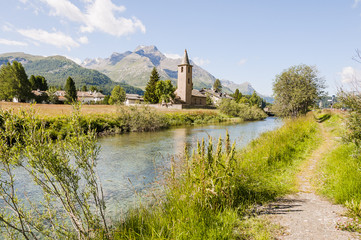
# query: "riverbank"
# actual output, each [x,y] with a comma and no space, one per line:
[106,120]
[212,194]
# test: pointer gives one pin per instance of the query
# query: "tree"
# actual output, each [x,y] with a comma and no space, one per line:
[150,94]
[84,88]
[14,82]
[164,91]
[72,204]
[296,89]
[117,95]
[38,83]
[217,86]
[70,90]
[53,98]
[94,89]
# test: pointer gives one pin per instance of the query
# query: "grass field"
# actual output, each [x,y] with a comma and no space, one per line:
[64,109]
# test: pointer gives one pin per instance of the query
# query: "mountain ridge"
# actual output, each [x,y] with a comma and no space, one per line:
[134,68]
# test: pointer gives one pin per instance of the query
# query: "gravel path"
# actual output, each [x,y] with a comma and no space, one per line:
[305,215]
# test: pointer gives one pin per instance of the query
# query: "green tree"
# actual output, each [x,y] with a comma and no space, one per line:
[117,95]
[296,89]
[70,90]
[150,95]
[84,88]
[38,83]
[94,89]
[217,86]
[165,91]
[53,98]
[106,100]
[14,82]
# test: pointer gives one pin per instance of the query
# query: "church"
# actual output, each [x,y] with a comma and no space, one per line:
[185,94]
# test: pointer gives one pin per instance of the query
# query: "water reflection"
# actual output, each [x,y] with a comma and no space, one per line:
[128,163]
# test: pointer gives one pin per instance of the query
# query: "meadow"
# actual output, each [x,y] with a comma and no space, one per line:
[340,172]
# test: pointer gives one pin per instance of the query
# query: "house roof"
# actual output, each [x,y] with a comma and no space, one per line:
[90,94]
[197,93]
[134,97]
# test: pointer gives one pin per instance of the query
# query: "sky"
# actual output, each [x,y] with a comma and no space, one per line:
[242,41]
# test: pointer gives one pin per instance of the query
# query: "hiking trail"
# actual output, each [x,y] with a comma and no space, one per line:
[306,215]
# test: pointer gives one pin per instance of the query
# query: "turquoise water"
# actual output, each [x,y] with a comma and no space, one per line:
[129,163]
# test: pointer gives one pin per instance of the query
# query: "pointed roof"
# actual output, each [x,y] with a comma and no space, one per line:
[185,58]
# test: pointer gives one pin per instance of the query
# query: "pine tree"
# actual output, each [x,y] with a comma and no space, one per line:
[14,82]
[150,90]
[70,90]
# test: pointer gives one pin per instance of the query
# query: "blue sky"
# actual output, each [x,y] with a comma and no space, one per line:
[235,40]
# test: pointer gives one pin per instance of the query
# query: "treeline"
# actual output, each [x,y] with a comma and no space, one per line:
[16,86]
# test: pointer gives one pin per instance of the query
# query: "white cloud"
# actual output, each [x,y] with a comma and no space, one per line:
[7,28]
[65,8]
[57,39]
[99,15]
[200,61]
[349,75]
[172,55]
[242,61]
[83,40]
[12,43]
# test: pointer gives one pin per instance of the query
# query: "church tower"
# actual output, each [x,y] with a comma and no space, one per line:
[185,83]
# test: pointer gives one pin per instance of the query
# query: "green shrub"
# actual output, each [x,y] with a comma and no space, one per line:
[244,111]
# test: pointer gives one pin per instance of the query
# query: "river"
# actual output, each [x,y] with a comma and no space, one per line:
[129,163]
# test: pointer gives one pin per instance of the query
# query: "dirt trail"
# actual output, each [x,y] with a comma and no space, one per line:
[305,215]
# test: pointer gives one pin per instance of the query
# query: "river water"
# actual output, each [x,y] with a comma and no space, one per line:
[129,163]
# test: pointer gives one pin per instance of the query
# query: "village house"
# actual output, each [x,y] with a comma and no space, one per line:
[133,99]
[214,95]
[82,96]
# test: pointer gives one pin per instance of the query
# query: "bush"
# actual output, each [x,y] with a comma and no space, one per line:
[244,111]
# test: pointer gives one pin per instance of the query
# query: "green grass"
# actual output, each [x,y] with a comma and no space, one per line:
[210,194]
[340,174]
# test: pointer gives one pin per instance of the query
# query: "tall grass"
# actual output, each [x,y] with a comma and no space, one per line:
[126,119]
[215,186]
[340,170]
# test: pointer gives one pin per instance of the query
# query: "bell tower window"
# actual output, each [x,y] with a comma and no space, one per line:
[181,69]
[189,80]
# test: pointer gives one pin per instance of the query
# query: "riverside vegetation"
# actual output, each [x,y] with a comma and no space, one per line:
[211,195]
[136,119]
[208,194]
[340,169]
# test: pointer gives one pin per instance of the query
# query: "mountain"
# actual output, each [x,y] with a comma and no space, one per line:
[56,69]
[134,68]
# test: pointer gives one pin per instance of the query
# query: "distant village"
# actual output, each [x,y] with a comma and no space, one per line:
[183,96]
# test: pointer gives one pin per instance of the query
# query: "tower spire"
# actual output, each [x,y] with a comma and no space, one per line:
[185,58]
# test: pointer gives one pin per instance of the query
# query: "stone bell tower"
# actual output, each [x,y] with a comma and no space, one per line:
[185,84]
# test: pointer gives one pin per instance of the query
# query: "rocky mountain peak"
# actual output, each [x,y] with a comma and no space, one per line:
[147,49]
[151,52]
